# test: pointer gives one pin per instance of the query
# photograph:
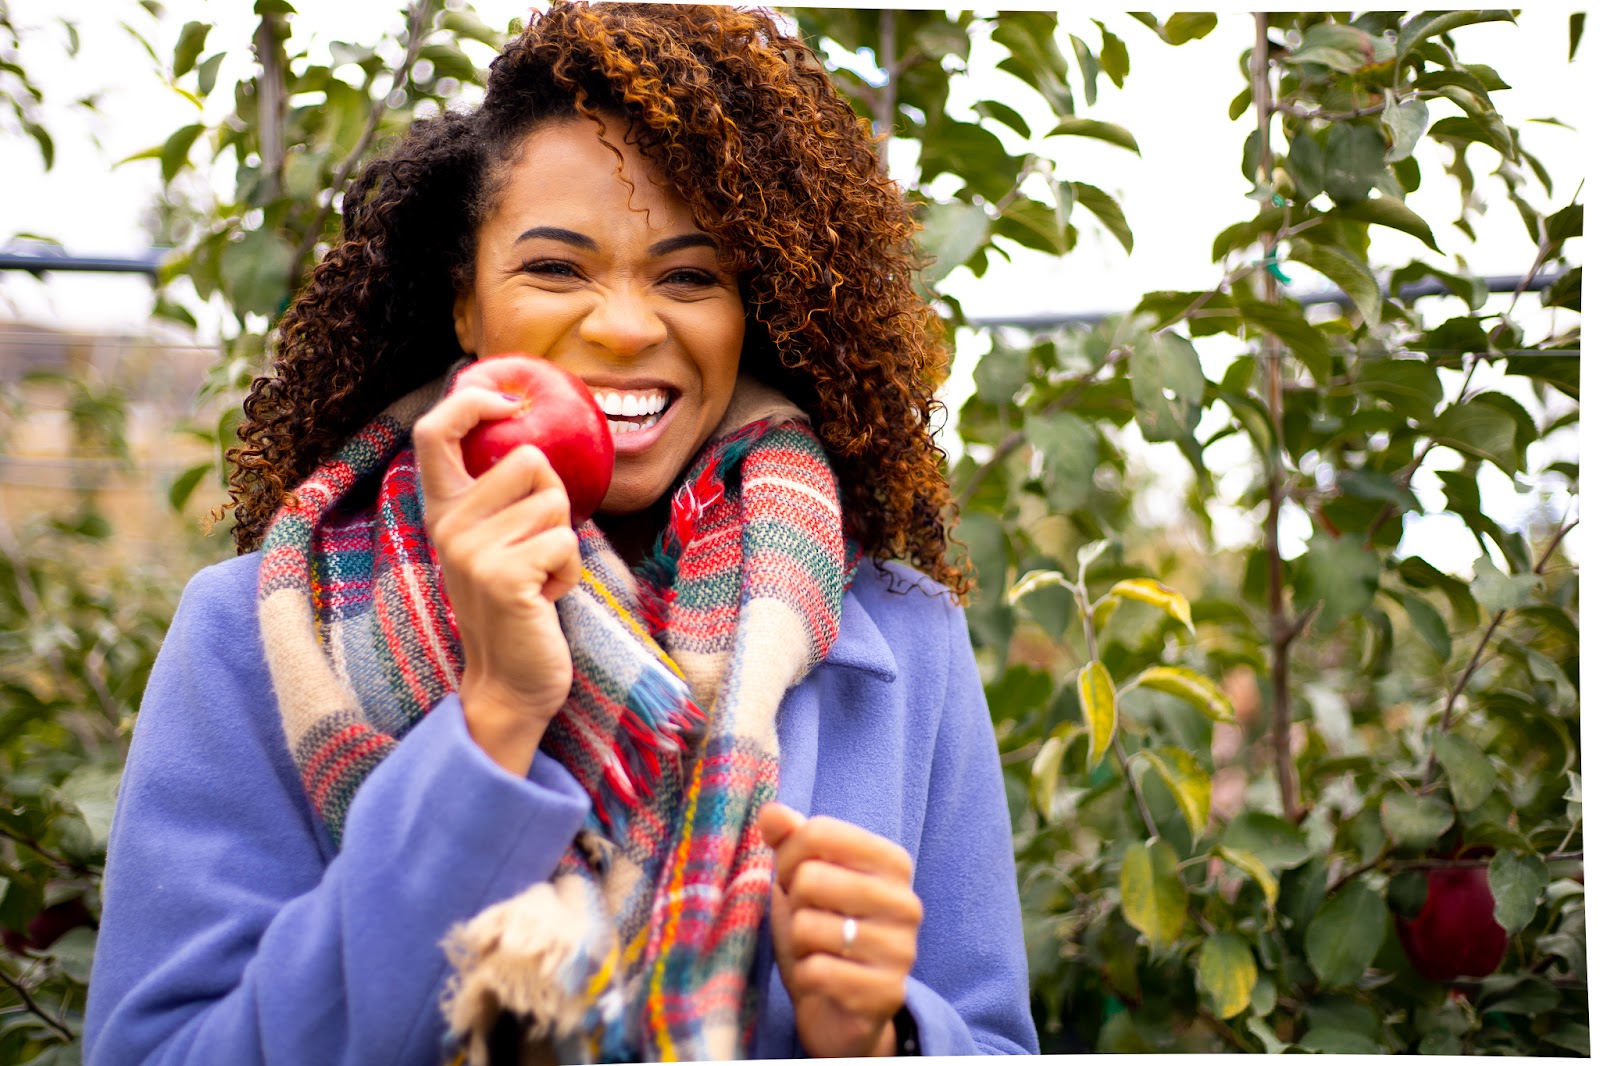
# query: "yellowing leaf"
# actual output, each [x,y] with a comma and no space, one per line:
[1046,773]
[1227,971]
[1035,579]
[1189,685]
[1153,894]
[1189,782]
[1098,698]
[1146,590]
[1251,864]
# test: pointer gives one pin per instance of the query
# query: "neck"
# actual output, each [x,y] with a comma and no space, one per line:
[632,535]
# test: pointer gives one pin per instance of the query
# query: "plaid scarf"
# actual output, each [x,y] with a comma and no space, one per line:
[641,944]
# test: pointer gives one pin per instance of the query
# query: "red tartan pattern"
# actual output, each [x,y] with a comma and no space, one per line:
[675,791]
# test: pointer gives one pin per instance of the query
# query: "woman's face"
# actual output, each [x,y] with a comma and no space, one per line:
[616,284]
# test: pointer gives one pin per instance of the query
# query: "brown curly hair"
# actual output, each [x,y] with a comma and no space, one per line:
[742,120]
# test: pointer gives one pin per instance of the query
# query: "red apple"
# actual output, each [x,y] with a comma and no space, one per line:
[48,926]
[558,415]
[1455,934]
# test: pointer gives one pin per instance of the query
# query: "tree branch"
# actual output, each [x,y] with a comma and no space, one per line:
[34,846]
[1473,663]
[33,1007]
[1272,351]
[887,102]
[416,27]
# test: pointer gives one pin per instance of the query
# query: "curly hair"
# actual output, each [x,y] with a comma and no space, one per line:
[743,122]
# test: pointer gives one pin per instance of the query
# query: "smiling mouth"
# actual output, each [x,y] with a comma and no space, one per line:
[631,411]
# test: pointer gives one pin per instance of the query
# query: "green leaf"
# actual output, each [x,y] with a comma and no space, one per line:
[1071,450]
[1030,38]
[1276,842]
[1154,898]
[1188,781]
[74,954]
[1226,972]
[1344,936]
[1097,697]
[951,233]
[1035,225]
[184,484]
[1288,324]
[1517,882]
[274,7]
[1342,268]
[1480,429]
[1113,55]
[92,788]
[1496,591]
[1414,821]
[1574,35]
[1569,1036]
[1430,627]
[1390,212]
[1433,23]
[1336,46]
[175,152]
[255,270]
[1252,865]
[1471,776]
[191,39]
[1338,572]
[1004,115]
[207,74]
[1148,590]
[1404,124]
[1410,387]
[1197,689]
[1306,165]
[1186,26]
[1353,161]
[1107,210]
[1101,131]
[1168,386]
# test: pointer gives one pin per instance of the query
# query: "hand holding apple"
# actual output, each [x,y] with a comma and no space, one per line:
[507,551]
[557,415]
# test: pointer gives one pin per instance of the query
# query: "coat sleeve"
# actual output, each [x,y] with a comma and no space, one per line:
[969,989]
[229,932]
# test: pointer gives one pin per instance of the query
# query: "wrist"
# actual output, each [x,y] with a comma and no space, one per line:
[501,725]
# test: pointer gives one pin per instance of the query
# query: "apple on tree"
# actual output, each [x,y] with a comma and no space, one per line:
[1454,934]
[558,416]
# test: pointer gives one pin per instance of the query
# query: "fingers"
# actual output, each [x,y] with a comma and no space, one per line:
[839,843]
[864,991]
[437,436]
[777,821]
[876,942]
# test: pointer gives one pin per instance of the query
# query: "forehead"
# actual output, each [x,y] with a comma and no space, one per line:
[573,170]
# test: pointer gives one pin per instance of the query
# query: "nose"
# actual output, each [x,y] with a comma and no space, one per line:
[624,322]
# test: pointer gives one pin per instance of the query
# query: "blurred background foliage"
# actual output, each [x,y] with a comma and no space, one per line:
[1261,794]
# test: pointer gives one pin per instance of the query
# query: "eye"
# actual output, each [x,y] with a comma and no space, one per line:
[691,277]
[551,268]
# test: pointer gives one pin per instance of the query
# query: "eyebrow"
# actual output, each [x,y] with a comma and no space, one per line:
[579,240]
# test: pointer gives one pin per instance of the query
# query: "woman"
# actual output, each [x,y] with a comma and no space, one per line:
[707,777]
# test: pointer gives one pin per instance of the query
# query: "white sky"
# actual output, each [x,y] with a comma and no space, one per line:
[1183,188]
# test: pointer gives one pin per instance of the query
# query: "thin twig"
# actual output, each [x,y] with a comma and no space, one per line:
[416,25]
[1338,116]
[1288,789]
[1447,719]
[45,853]
[1221,1028]
[33,1007]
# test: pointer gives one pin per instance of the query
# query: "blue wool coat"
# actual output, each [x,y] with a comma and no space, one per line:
[232,932]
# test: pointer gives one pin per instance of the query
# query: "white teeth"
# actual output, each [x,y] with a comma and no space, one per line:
[631,404]
[619,428]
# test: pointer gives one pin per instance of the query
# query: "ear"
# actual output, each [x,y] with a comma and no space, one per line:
[466,320]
